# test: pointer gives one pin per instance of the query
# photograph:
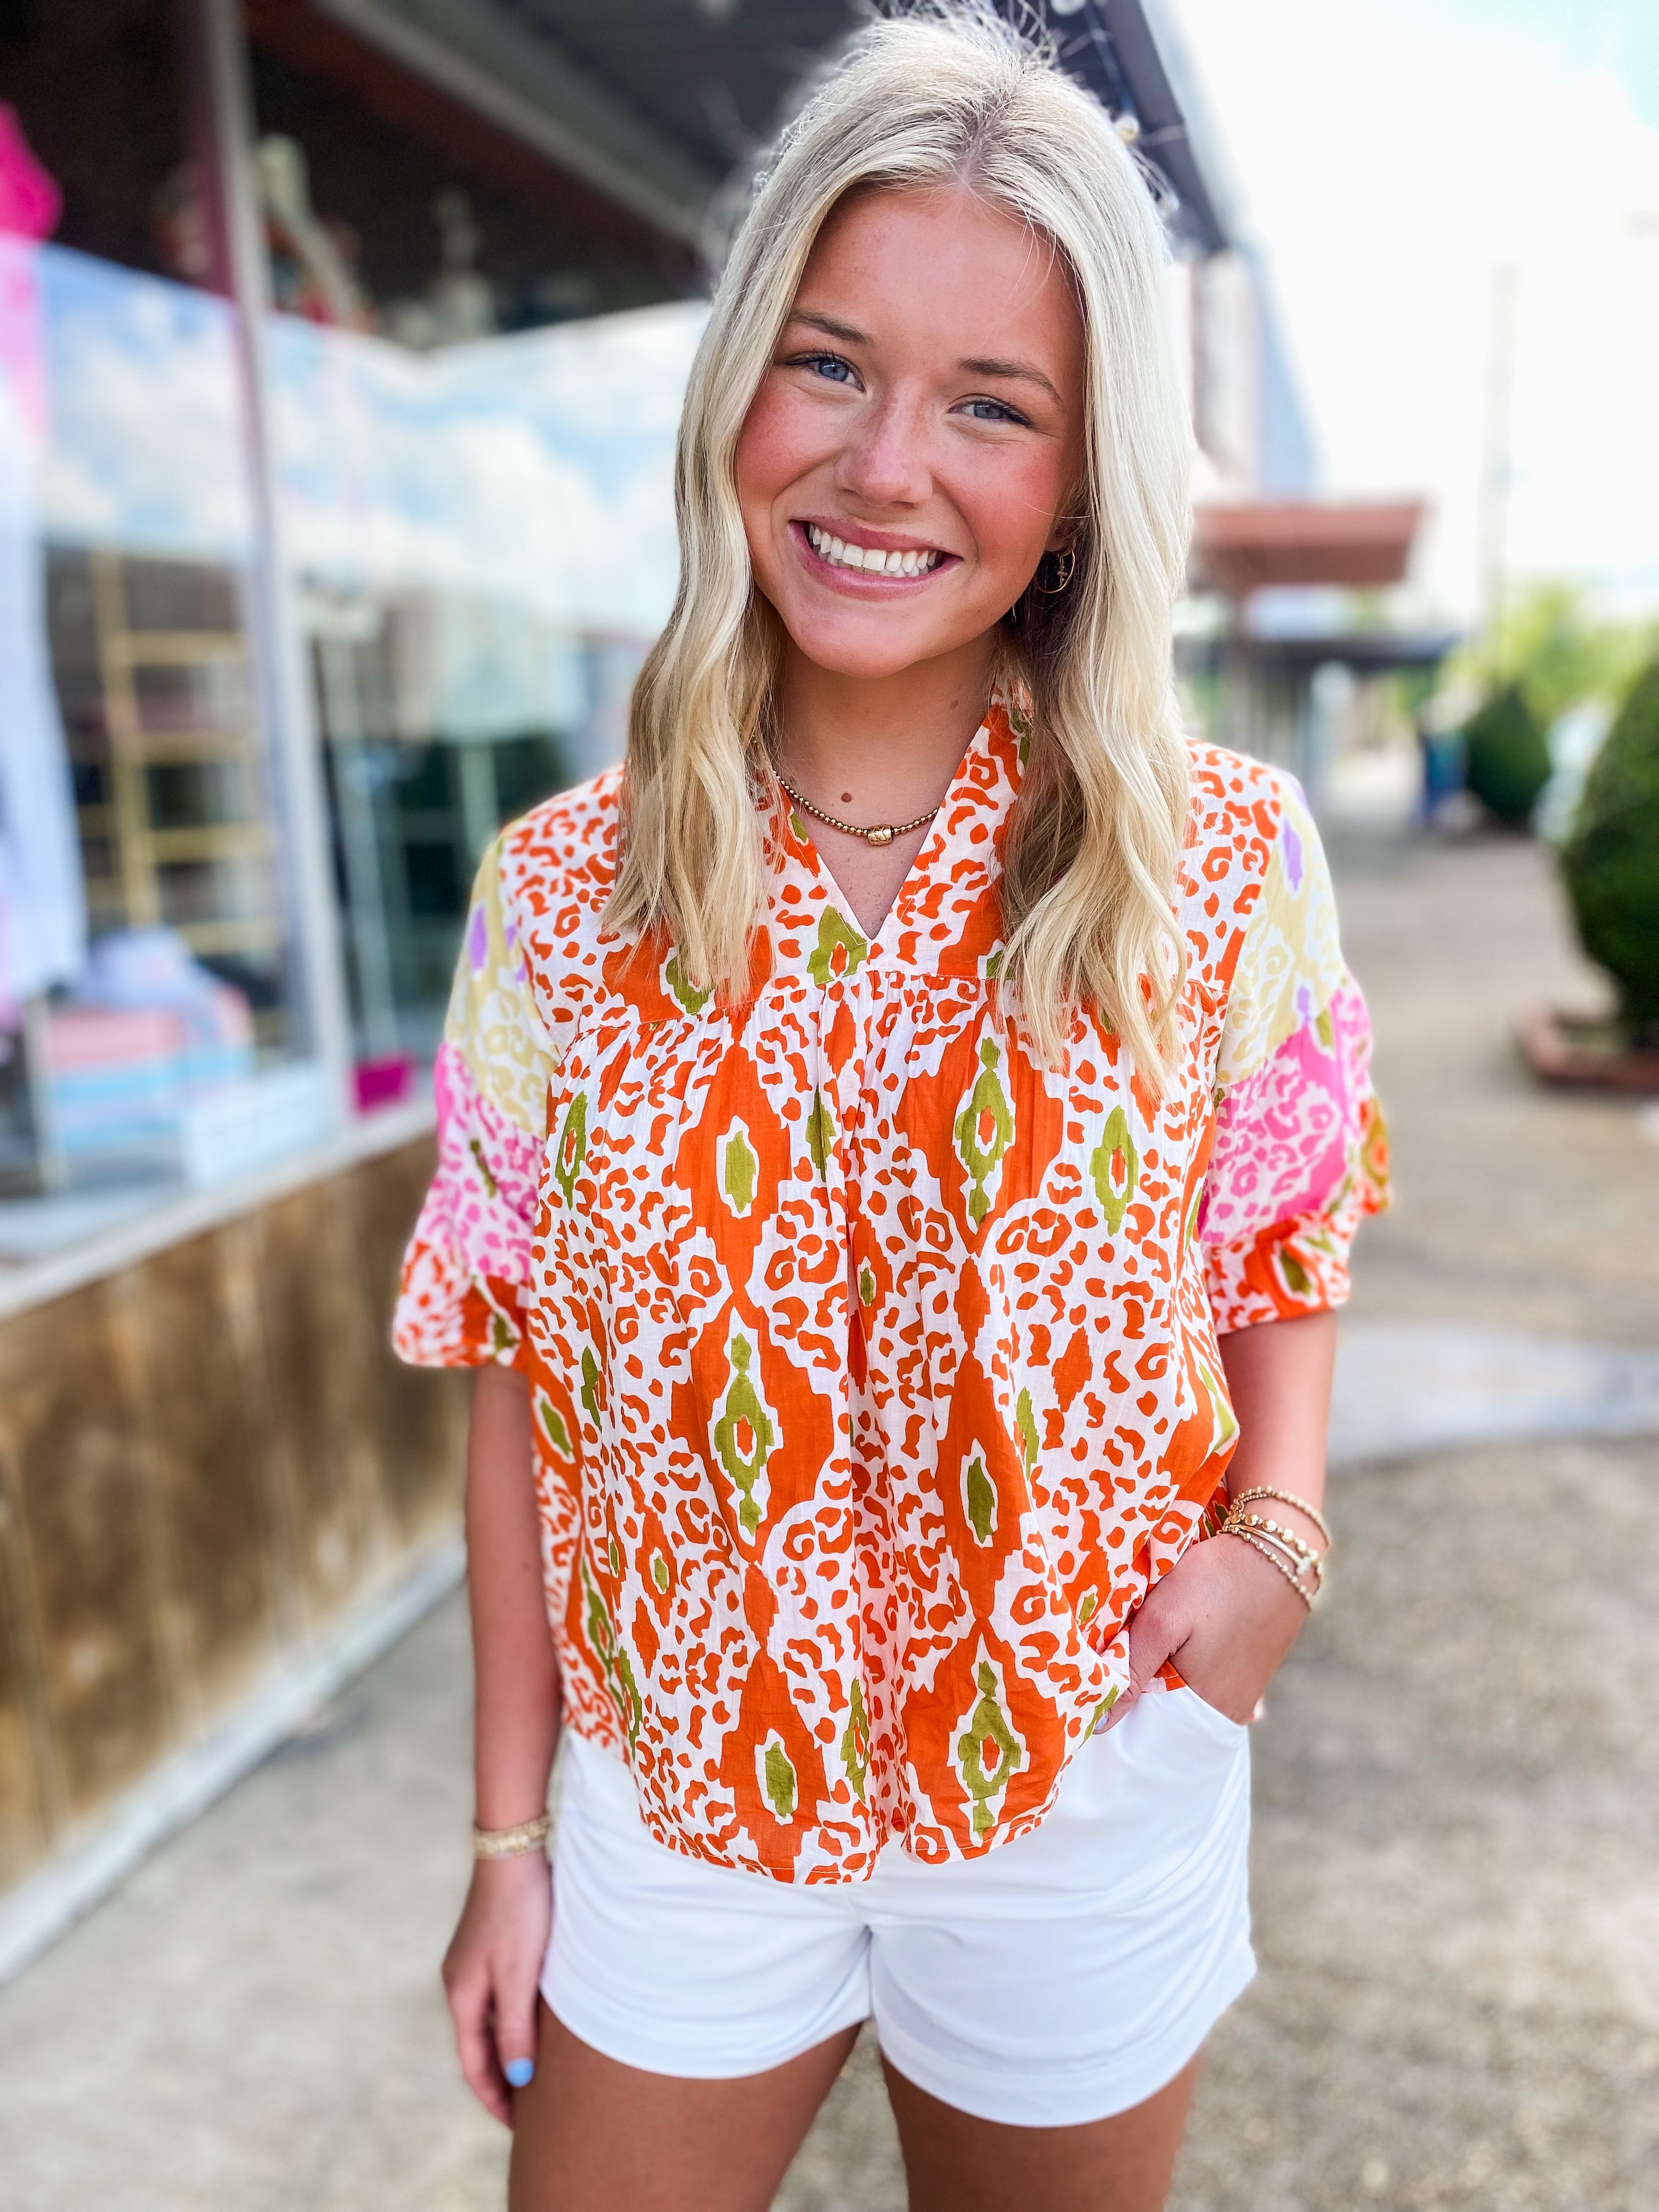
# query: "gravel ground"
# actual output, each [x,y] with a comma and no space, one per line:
[1456,1889]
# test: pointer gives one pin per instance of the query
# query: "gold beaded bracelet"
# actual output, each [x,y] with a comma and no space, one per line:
[1286,1497]
[510,1843]
[1282,1547]
[1308,1560]
[1310,1598]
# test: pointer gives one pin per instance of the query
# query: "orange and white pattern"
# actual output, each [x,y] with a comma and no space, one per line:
[874,1363]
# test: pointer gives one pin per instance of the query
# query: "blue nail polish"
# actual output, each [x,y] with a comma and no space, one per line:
[518,2071]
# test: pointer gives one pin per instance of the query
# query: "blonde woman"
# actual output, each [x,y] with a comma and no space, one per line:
[901,1139]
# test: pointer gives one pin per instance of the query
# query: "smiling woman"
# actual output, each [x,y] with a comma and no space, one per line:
[892,1245]
[943,318]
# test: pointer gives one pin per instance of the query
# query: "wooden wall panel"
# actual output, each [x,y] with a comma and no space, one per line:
[423,1422]
[80,1466]
[190,1375]
[317,1343]
[27,1792]
[202,1459]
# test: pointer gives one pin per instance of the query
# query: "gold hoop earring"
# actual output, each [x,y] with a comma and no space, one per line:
[1065,566]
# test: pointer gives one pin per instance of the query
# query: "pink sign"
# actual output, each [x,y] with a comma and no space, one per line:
[30,202]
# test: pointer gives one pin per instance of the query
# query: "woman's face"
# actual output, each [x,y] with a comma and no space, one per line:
[924,411]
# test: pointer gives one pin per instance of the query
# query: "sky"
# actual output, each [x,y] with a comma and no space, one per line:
[538,468]
[1389,155]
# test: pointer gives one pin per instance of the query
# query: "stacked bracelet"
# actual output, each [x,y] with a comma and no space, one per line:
[510,1843]
[1302,1567]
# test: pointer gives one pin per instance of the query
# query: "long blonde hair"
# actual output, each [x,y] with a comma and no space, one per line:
[949,96]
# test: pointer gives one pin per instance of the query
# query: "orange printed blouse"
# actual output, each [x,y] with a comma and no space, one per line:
[874,1363]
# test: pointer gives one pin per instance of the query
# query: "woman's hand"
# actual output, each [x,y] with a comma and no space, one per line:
[491,1973]
[1225,1616]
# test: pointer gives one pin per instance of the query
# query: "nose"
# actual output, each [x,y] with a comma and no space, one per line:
[885,462]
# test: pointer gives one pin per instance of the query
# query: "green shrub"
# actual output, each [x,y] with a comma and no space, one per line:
[1611,861]
[1509,762]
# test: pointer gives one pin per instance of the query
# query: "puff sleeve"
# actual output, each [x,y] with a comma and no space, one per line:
[467,1269]
[1300,1152]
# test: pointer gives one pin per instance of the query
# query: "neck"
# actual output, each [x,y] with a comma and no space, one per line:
[893,743]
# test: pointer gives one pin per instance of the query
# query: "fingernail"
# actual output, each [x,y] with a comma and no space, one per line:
[518,2071]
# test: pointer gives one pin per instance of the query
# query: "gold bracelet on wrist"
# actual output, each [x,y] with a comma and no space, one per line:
[1308,1598]
[1286,1497]
[510,1843]
[1308,1560]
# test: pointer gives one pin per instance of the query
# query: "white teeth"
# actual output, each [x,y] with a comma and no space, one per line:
[874,560]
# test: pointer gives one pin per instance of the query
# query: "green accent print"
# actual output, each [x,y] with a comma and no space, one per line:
[660,1572]
[1326,1028]
[1021,726]
[681,989]
[744,1436]
[855,1741]
[553,1421]
[614,1662]
[984,1130]
[1296,1277]
[501,1337]
[482,1166]
[1025,1422]
[840,950]
[1115,1169]
[866,1285]
[820,1132]
[780,1781]
[573,1148]
[739,1171]
[1104,1708]
[1087,1607]
[1224,1422]
[987,1751]
[589,1392]
[979,1497]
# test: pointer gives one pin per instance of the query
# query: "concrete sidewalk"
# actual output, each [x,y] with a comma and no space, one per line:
[1457,1890]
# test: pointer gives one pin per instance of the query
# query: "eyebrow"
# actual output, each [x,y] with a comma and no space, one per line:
[1017,371]
[1014,371]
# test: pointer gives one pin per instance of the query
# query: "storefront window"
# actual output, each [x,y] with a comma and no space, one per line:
[464,492]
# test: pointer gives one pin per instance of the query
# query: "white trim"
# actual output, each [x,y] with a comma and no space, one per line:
[35,1281]
[48,1903]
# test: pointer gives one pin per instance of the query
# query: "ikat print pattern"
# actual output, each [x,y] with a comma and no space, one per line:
[874,1365]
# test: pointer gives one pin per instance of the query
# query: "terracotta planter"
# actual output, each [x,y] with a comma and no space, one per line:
[1582,1052]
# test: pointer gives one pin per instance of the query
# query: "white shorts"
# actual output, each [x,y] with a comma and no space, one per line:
[1064,1977]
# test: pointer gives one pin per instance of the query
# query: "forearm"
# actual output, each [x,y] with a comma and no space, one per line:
[1279,1377]
[516,1678]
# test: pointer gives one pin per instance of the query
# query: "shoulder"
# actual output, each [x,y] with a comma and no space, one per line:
[1238,805]
[1250,841]
[554,870]
[563,853]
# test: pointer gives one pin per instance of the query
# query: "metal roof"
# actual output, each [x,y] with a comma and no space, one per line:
[656,102]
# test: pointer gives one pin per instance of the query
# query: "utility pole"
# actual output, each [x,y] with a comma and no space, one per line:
[1496,456]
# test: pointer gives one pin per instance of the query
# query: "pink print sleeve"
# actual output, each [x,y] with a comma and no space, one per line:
[1301,1153]
[467,1269]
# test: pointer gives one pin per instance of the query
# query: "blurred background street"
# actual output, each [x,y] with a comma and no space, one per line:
[342,347]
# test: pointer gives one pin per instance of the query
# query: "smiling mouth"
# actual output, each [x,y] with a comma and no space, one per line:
[870,560]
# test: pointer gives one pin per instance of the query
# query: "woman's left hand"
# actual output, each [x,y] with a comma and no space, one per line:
[1225,1616]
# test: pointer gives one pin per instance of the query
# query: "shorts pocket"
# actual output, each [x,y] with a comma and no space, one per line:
[1202,1713]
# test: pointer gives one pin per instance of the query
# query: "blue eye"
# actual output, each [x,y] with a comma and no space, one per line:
[992,411]
[829,366]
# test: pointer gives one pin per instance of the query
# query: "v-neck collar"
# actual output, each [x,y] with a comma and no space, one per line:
[945,918]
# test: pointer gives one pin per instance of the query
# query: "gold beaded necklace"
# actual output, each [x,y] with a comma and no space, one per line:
[883,833]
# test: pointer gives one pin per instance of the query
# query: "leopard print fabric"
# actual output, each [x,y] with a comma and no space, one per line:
[874,1363]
